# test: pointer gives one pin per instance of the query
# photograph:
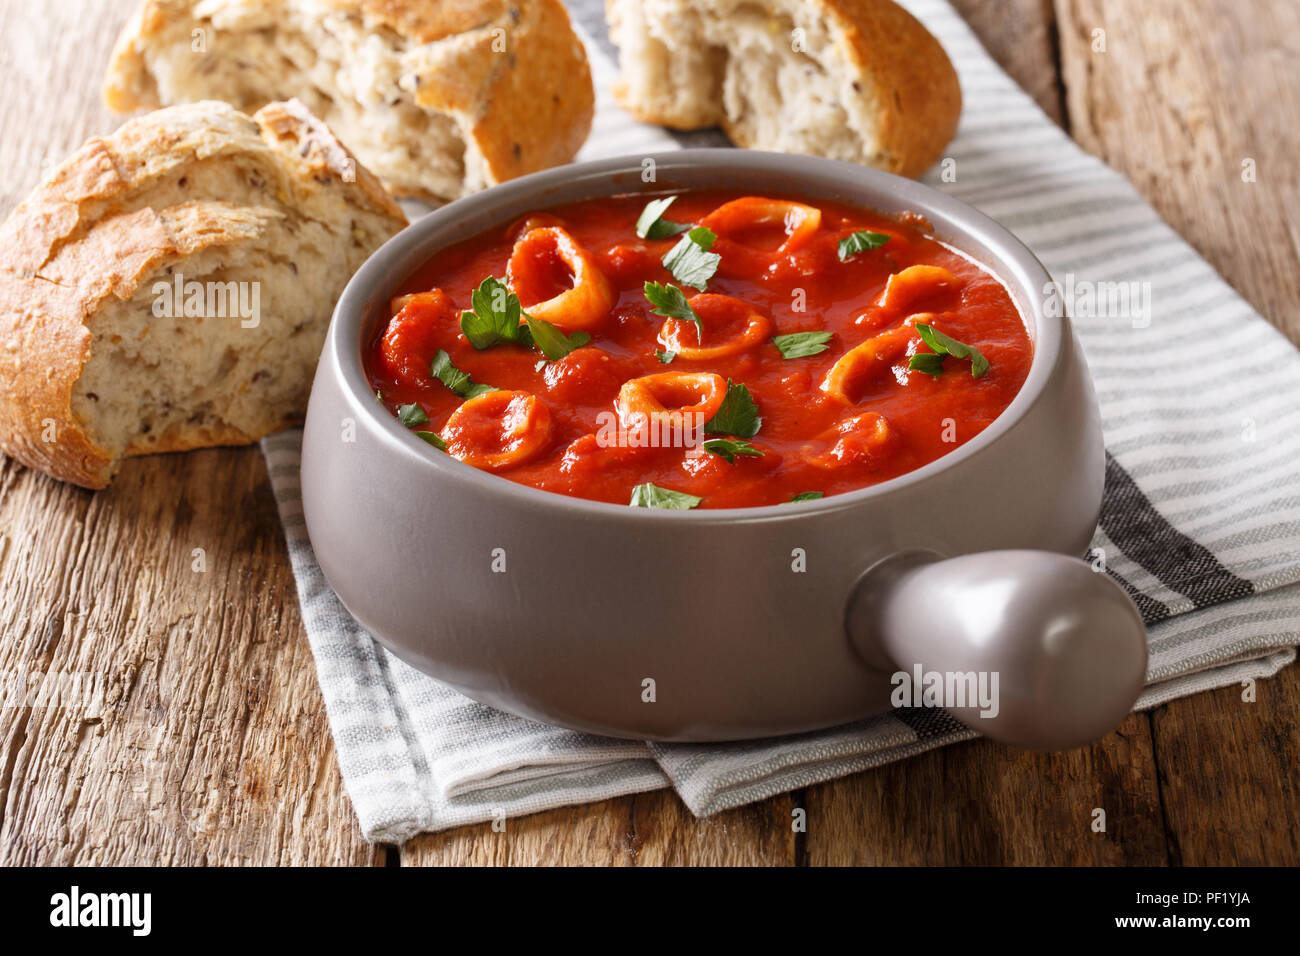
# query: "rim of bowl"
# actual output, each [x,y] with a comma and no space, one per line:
[954,223]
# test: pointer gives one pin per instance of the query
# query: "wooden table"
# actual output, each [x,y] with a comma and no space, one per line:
[211,746]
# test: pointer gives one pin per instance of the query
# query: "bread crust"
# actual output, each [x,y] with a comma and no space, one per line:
[523,109]
[920,117]
[917,89]
[78,242]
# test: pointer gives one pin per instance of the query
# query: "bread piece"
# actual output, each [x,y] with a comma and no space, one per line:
[439,98]
[100,360]
[867,83]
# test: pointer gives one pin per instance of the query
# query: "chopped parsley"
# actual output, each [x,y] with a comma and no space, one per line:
[690,261]
[652,496]
[554,343]
[932,364]
[861,241]
[652,225]
[456,380]
[670,302]
[729,448]
[801,344]
[496,317]
[411,414]
[807,496]
[738,415]
[665,356]
[434,439]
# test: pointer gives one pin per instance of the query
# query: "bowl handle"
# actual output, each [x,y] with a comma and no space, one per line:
[1057,650]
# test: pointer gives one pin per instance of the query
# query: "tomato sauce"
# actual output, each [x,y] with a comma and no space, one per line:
[847,417]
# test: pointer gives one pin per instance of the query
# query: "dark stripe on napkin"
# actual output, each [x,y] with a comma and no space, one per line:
[1141,532]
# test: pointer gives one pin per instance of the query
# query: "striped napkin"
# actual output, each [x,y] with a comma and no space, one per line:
[1201,520]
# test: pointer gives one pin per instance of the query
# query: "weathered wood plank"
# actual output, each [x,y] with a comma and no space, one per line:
[1227,771]
[649,829]
[203,738]
[1184,98]
[197,734]
[1021,36]
[982,803]
[1188,100]
[210,745]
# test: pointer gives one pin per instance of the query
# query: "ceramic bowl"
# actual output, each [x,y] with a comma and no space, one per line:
[727,624]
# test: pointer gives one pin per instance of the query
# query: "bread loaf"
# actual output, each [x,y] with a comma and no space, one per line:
[438,98]
[857,80]
[169,286]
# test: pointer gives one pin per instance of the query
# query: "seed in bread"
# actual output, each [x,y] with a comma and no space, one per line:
[438,98]
[857,80]
[169,286]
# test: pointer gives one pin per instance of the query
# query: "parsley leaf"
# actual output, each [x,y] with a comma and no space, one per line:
[411,414]
[669,302]
[801,344]
[729,448]
[861,241]
[456,380]
[554,343]
[807,496]
[495,318]
[927,362]
[652,496]
[946,345]
[665,356]
[652,225]
[690,261]
[738,415]
[434,439]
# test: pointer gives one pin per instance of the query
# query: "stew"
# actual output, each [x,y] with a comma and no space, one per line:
[706,350]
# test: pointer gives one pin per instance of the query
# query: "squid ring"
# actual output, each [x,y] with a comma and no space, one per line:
[580,307]
[714,310]
[748,212]
[904,288]
[857,367]
[498,429]
[855,440]
[670,393]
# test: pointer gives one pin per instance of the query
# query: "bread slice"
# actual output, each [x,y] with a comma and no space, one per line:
[857,80]
[439,98]
[100,358]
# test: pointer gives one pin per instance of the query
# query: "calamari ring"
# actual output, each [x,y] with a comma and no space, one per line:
[676,393]
[855,440]
[860,365]
[434,297]
[715,312]
[580,307]
[731,219]
[410,340]
[498,429]
[904,288]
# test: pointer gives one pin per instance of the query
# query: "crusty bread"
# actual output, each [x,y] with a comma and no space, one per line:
[439,98]
[867,84]
[98,360]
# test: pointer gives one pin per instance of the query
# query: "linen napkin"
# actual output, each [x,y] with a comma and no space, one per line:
[1201,520]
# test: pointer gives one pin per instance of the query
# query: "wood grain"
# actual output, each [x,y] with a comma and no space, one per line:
[1227,772]
[984,803]
[1021,36]
[203,737]
[650,829]
[1183,95]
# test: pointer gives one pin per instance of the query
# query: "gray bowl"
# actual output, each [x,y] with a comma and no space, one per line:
[696,625]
